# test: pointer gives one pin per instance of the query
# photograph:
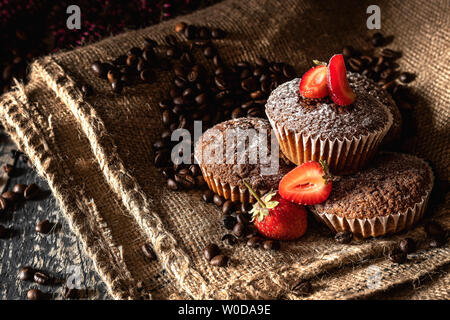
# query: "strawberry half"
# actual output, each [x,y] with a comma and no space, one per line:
[277,218]
[309,183]
[314,83]
[340,91]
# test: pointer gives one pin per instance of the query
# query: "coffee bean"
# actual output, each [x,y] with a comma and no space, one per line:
[302,288]
[180,26]
[113,75]
[245,207]
[70,293]
[150,43]
[147,250]
[241,218]
[407,245]
[347,51]
[207,195]
[289,71]
[35,294]
[41,278]
[435,243]
[227,207]
[406,77]
[10,196]
[217,61]
[186,181]
[211,250]
[26,274]
[355,64]
[200,182]
[44,227]
[3,204]
[4,233]
[271,245]
[261,62]
[217,33]
[397,256]
[132,60]
[146,75]
[229,239]
[117,86]
[249,84]
[190,32]
[218,200]
[209,52]
[434,229]
[99,69]
[343,237]
[86,90]
[229,222]
[239,230]
[254,242]
[172,185]
[203,33]
[160,159]
[377,39]
[219,261]
[389,53]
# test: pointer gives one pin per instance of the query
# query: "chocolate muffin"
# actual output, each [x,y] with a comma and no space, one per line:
[387,197]
[317,129]
[235,150]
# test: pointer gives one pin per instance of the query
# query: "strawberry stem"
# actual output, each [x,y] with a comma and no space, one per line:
[319,63]
[254,194]
[327,176]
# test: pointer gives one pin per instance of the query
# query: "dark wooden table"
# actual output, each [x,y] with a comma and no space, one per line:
[59,253]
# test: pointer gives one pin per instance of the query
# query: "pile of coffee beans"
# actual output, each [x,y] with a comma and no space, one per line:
[380,65]
[213,255]
[226,92]
[39,277]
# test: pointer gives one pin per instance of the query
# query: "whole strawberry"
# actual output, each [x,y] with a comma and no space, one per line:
[277,218]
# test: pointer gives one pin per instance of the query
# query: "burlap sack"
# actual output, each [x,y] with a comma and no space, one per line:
[96,154]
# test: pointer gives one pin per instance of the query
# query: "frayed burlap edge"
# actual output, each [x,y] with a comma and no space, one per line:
[25,124]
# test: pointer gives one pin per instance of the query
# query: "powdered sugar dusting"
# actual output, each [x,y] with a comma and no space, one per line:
[322,118]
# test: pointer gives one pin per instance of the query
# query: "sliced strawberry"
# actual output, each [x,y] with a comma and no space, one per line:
[314,83]
[307,184]
[338,86]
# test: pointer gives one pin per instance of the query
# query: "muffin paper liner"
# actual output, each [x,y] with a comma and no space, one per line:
[226,190]
[382,225]
[344,156]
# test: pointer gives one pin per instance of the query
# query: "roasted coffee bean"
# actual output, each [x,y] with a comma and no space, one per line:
[210,251]
[4,233]
[171,40]
[229,222]
[8,169]
[258,94]
[406,77]
[10,196]
[217,33]
[254,242]
[186,59]
[377,39]
[201,98]
[241,218]
[150,43]
[209,52]
[35,294]
[186,181]
[190,32]
[387,74]
[159,144]
[229,239]
[261,62]
[219,261]
[180,26]
[218,200]
[236,113]
[135,51]
[117,86]
[70,293]
[245,207]
[249,84]
[289,71]
[397,256]
[407,245]
[41,278]
[194,169]
[173,53]
[3,204]
[86,90]
[44,227]
[227,207]
[343,237]
[147,250]
[208,195]
[239,230]
[355,64]
[132,60]
[160,159]
[434,229]
[271,245]
[435,242]
[167,117]
[172,185]
[180,83]
[389,86]
[200,182]
[347,51]
[203,33]
[113,75]
[302,288]
[389,53]
[19,189]
[99,69]
[217,61]
[26,274]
